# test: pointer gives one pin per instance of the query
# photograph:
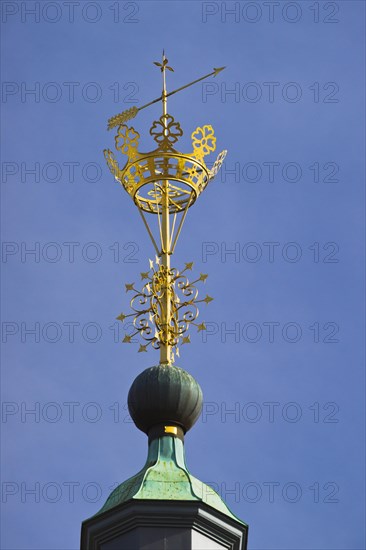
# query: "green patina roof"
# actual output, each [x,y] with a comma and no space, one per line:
[165,477]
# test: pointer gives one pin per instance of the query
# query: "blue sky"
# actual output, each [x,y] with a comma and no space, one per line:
[289,201]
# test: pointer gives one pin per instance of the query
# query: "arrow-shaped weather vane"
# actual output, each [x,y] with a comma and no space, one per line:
[132,112]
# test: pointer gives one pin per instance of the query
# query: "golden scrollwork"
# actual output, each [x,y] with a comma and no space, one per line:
[149,305]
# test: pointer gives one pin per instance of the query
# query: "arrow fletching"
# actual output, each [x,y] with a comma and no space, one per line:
[119,119]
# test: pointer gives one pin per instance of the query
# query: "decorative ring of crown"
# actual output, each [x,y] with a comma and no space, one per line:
[143,178]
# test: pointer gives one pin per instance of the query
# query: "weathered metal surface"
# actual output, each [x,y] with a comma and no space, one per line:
[165,477]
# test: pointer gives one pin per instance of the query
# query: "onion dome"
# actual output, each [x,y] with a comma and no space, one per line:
[165,394]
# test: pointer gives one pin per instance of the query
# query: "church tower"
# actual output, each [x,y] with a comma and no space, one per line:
[163,507]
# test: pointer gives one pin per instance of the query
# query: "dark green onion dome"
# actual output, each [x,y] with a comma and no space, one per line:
[165,394]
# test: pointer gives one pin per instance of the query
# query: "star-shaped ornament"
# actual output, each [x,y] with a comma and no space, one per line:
[127,339]
[129,286]
[121,317]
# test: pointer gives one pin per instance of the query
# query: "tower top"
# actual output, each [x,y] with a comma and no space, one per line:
[163,505]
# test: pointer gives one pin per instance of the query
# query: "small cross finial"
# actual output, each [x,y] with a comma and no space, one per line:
[164,65]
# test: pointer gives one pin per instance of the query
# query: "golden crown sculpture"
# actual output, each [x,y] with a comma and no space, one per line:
[164,182]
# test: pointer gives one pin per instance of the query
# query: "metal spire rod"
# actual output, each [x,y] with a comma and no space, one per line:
[132,112]
[165,347]
[164,183]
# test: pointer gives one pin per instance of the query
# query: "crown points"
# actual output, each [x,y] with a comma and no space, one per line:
[127,140]
[203,141]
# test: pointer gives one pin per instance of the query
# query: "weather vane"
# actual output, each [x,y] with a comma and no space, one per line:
[164,183]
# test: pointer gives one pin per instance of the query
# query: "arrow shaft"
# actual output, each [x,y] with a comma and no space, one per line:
[176,91]
[190,84]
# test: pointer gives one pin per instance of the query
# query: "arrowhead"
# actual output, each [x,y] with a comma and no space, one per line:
[218,70]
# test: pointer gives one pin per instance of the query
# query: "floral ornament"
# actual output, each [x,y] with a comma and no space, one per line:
[127,140]
[203,141]
[192,173]
[166,131]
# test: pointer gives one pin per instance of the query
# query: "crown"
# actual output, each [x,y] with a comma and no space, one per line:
[143,173]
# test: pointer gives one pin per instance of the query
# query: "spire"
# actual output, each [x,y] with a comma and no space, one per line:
[163,503]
